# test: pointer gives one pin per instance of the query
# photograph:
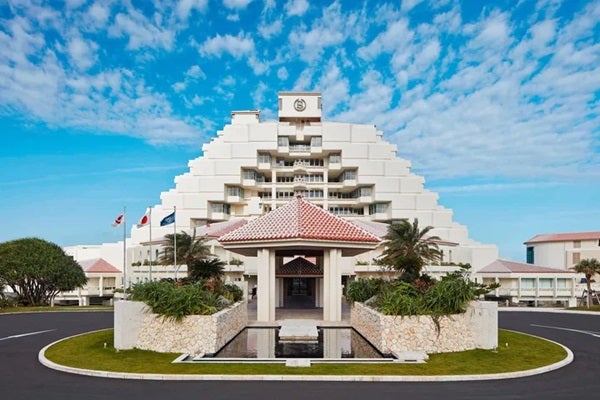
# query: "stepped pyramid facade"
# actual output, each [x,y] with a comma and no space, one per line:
[253,167]
[267,193]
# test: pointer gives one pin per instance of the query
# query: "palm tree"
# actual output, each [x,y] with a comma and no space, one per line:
[189,249]
[207,268]
[408,248]
[589,267]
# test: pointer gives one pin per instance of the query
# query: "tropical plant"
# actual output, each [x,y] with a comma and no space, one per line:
[174,301]
[408,248]
[362,290]
[236,261]
[205,269]
[37,270]
[589,267]
[424,296]
[190,248]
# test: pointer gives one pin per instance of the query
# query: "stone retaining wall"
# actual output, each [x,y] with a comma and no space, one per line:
[136,327]
[476,328]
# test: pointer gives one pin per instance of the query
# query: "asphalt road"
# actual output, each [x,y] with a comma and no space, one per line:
[22,377]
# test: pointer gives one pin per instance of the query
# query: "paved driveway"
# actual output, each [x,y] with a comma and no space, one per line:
[22,377]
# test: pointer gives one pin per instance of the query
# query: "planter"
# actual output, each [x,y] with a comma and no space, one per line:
[136,327]
[477,328]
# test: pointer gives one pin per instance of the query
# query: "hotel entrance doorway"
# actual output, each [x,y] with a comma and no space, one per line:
[299,292]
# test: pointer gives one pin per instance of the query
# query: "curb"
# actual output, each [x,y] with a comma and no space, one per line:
[307,378]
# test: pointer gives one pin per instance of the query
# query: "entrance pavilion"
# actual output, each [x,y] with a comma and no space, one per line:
[299,248]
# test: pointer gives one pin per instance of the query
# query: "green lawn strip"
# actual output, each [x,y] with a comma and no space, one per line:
[594,308]
[54,309]
[523,352]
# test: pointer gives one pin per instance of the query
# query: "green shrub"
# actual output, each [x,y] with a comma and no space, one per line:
[362,290]
[233,292]
[177,301]
[423,296]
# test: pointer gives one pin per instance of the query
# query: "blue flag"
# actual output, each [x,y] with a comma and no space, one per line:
[169,219]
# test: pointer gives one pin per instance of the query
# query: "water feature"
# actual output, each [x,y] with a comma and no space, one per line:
[331,343]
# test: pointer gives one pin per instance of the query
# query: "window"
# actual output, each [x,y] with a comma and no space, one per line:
[576,258]
[577,244]
[235,191]
[377,208]
[264,158]
[365,192]
[346,211]
[546,283]
[283,141]
[527,283]
[248,174]
[316,141]
[349,175]
[561,283]
[335,158]
[530,255]
[221,208]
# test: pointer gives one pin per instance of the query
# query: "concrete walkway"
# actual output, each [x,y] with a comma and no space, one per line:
[299,313]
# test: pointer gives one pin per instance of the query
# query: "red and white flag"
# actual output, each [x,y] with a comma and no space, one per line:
[145,219]
[119,220]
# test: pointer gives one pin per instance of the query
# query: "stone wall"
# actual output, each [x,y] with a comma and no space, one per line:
[477,328]
[194,334]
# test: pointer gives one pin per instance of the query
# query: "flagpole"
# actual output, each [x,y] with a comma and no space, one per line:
[124,254]
[150,237]
[175,240]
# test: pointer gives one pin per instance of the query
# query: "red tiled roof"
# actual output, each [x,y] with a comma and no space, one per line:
[217,229]
[299,219]
[507,267]
[564,237]
[98,265]
[298,266]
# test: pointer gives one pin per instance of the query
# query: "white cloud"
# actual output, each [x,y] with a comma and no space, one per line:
[282,73]
[237,46]
[195,72]
[396,37]
[185,7]
[179,87]
[236,4]
[268,29]
[329,30]
[333,86]
[141,31]
[82,53]
[98,13]
[408,5]
[296,7]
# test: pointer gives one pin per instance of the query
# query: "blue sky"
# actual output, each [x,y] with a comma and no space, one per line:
[496,103]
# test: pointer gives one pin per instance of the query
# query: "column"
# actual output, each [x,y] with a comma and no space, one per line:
[265,303]
[332,287]
[319,292]
[101,285]
[280,292]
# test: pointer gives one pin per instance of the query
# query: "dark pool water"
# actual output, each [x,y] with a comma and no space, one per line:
[331,343]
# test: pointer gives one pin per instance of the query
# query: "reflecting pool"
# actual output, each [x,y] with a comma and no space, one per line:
[331,343]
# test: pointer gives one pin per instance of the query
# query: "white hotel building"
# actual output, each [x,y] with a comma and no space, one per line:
[253,168]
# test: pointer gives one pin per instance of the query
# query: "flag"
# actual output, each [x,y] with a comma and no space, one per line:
[169,219]
[144,220]
[119,220]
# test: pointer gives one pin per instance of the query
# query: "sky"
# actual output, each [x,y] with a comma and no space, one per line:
[495,103]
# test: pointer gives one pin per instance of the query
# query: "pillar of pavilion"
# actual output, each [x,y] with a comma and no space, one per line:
[299,227]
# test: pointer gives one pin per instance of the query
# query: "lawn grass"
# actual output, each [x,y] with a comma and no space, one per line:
[594,308]
[24,309]
[95,351]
